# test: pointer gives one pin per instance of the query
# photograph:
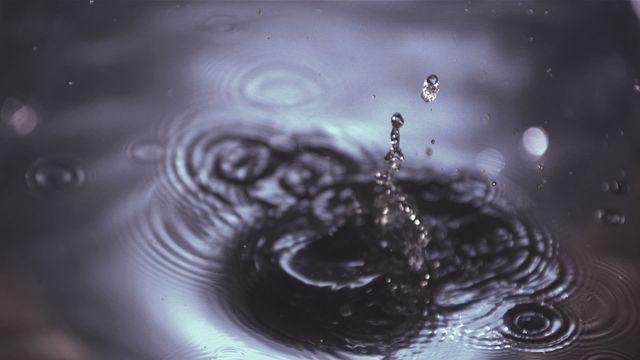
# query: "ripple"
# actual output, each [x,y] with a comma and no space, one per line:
[51,174]
[484,255]
[280,228]
[273,86]
[178,246]
[606,355]
[607,304]
[538,327]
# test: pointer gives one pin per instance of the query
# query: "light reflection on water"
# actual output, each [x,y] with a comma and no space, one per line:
[113,184]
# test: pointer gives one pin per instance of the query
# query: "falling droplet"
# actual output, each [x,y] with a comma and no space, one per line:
[430,88]
[610,216]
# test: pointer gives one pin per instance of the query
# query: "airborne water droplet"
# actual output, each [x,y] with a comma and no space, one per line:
[430,88]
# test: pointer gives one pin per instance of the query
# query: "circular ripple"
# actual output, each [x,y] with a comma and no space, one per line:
[271,86]
[484,254]
[55,174]
[538,327]
[179,246]
[607,304]
[303,284]
[606,355]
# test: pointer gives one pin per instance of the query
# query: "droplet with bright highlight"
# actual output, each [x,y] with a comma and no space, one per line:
[430,88]
[535,141]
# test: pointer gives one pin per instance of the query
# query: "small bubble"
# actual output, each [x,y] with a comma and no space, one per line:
[397,120]
[530,12]
[493,183]
[615,186]
[636,87]
[55,174]
[610,216]
[531,38]
[373,96]
[430,88]
[546,12]
[433,141]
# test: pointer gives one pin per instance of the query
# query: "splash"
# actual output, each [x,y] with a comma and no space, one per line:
[395,214]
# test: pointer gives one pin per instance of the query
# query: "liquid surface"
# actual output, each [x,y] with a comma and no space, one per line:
[194,180]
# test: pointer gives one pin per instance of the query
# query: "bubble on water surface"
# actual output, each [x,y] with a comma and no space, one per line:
[55,174]
[615,186]
[610,216]
[146,151]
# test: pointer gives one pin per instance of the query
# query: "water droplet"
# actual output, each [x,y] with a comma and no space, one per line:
[35,48]
[530,12]
[430,88]
[610,216]
[636,87]
[397,121]
[531,38]
[615,186]
[546,12]
[70,83]
[91,2]
[535,141]
[55,174]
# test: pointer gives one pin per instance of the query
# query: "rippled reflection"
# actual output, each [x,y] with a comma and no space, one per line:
[280,232]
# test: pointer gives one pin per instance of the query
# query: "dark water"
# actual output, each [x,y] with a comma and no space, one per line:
[196,180]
